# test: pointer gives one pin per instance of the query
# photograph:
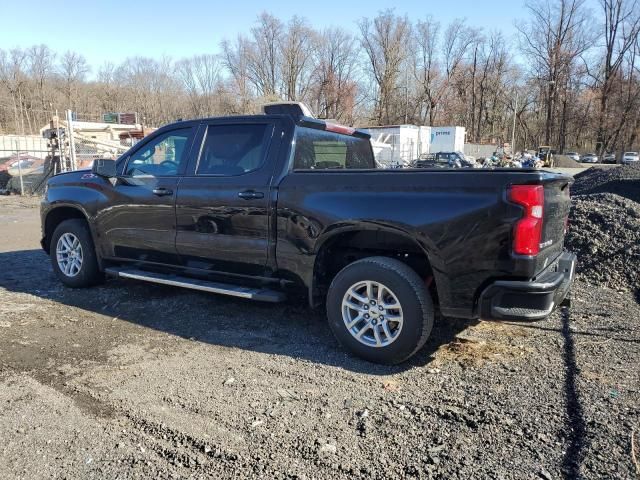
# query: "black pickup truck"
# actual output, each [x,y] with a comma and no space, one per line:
[268,206]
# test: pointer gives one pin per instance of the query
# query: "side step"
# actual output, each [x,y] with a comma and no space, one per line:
[259,294]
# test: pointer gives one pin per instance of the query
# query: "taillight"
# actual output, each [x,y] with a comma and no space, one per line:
[527,232]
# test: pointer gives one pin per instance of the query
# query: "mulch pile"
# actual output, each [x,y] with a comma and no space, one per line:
[604,226]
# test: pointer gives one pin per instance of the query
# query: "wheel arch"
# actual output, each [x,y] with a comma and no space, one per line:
[350,243]
[58,214]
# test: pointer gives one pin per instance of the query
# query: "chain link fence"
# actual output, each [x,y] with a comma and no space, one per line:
[22,159]
[88,149]
[71,143]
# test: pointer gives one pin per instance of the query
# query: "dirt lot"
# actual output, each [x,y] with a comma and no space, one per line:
[131,380]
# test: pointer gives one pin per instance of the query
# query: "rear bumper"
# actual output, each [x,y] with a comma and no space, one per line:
[529,300]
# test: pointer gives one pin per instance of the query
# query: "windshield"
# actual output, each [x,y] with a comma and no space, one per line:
[631,154]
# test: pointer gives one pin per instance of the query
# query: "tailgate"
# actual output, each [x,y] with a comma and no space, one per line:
[557,204]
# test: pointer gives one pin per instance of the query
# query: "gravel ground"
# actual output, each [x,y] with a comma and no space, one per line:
[131,380]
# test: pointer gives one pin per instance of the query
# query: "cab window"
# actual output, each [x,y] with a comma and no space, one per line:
[319,150]
[163,156]
[230,150]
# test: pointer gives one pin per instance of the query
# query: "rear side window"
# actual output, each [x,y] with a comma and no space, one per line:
[318,149]
[234,149]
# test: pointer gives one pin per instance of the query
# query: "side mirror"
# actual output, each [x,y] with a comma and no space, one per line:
[104,168]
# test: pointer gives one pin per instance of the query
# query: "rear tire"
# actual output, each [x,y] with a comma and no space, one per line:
[383,294]
[73,255]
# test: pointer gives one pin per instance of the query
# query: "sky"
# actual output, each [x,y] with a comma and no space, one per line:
[112,31]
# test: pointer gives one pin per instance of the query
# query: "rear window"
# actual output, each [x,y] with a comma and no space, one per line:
[234,149]
[320,150]
[631,153]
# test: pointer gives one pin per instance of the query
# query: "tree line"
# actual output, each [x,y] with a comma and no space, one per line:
[569,79]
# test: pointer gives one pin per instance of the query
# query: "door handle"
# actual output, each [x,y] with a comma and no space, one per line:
[161,191]
[251,195]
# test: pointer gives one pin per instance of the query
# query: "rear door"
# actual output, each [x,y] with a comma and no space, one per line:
[223,205]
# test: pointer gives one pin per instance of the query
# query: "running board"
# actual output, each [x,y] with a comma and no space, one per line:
[259,294]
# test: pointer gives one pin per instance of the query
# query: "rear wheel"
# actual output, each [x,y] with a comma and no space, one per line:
[380,309]
[73,254]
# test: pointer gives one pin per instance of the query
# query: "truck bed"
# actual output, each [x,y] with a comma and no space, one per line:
[460,218]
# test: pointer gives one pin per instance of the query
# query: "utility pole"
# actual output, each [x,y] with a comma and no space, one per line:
[72,145]
[406,95]
[19,168]
[513,130]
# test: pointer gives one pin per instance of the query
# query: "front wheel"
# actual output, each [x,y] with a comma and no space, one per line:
[73,254]
[380,309]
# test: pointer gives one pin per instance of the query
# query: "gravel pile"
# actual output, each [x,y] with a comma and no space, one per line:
[562,161]
[623,180]
[605,226]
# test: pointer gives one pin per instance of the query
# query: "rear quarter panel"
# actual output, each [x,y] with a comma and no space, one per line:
[461,219]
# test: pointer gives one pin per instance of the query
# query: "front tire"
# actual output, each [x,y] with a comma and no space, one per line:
[380,309]
[73,255]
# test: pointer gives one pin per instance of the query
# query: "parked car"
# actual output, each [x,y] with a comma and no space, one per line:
[589,158]
[20,160]
[268,206]
[630,157]
[30,181]
[609,158]
[573,156]
[25,167]
[445,160]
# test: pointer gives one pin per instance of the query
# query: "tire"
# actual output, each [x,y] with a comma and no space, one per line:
[87,273]
[401,286]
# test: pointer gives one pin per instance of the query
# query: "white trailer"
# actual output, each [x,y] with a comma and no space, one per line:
[446,139]
[399,145]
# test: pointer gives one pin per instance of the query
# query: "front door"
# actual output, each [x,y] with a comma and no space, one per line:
[138,221]
[223,205]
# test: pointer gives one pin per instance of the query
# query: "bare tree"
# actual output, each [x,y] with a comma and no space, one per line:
[296,47]
[384,40]
[574,92]
[621,30]
[557,34]
[458,38]
[427,67]
[235,59]
[73,70]
[335,86]
[13,78]
[200,76]
[263,55]
[41,67]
